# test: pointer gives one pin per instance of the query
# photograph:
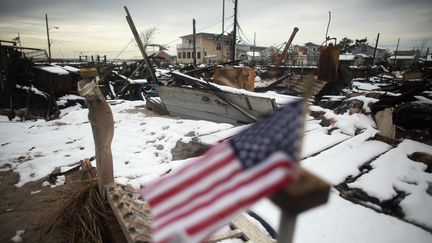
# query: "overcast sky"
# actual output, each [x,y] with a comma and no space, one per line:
[99,27]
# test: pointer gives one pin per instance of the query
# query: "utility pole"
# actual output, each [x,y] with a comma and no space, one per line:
[397,49]
[223,29]
[427,54]
[194,43]
[233,47]
[253,51]
[49,43]
[376,47]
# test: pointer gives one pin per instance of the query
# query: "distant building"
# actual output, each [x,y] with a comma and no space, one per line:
[352,59]
[248,53]
[403,59]
[167,56]
[369,51]
[210,48]
[427,60]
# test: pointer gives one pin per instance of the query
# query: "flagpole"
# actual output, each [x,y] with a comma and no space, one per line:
[288,220]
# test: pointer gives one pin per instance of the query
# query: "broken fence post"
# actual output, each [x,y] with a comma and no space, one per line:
[102,123]
[306,192]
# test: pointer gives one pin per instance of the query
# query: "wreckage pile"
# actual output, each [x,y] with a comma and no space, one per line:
[397,104]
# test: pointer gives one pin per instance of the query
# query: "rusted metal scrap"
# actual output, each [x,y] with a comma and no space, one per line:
[237,77]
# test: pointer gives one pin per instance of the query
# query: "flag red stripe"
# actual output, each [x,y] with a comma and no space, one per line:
[281,164]
[199,193]
[237,207]
[214,151]
[190,181]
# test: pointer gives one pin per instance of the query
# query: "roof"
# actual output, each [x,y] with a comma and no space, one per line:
[346,57]
[170,52]
[53,69]
[350,56]
[310,44]
[405,53]
[402,57]
[363,55]
[71,69]
[209,35]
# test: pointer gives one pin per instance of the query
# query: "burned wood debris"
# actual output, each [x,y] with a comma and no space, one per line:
[233,92]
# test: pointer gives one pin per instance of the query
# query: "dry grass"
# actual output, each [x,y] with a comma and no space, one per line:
[82,214]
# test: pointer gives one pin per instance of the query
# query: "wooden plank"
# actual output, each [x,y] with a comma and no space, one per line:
[132,215]
[236,233]
[251,231]
[199,104]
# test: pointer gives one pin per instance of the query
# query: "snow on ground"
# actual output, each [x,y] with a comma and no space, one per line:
[342,221]
[364,86]
[393,172]
[347,157]
[142,147]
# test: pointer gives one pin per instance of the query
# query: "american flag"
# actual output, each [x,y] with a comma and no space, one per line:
[198,199]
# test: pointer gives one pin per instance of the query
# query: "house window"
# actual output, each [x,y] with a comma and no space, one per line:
[188,55]
[184,55]
[205,54]
[199,55]
[179,55]
[218,46]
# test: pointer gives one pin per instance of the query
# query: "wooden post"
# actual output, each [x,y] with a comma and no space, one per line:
[395,54]
[223,30]
[102,123]
[140,46]
[234,38]
[254,46]
[306,192]
[376,47]
[194,43]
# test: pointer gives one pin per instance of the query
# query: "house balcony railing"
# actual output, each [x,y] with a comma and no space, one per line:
[184,46]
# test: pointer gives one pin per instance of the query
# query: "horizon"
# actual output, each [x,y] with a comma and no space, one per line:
[86,28]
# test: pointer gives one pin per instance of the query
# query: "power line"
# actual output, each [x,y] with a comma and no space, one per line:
[123,49]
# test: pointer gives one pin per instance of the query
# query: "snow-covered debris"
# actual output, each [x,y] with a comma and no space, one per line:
[71,69]
[335,151]
[54,69]
[360,86]
[394,172]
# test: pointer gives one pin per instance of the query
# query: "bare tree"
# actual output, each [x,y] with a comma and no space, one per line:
[147,36]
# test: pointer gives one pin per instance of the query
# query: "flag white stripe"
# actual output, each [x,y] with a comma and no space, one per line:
[219,152]
[203,185]
[232,182]
[248,190]
[201,215]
